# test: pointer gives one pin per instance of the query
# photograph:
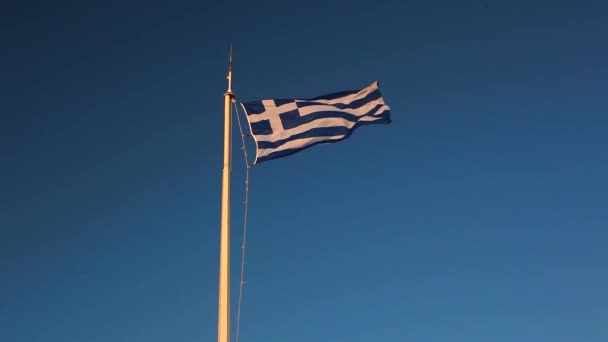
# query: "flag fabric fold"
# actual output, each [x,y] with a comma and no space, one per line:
[281,127]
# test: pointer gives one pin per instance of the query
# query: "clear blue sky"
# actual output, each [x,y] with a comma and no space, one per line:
[478,215]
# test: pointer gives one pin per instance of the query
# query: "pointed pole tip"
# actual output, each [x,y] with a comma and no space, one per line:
[229,91]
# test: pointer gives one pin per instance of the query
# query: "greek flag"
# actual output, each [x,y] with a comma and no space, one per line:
[281,127]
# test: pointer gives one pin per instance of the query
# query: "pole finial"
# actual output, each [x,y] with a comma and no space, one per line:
[230,71]
[230,58]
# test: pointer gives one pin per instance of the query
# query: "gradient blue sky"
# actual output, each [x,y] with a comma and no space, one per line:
[479,214]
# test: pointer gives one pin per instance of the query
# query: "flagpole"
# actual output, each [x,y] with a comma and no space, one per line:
[223,327]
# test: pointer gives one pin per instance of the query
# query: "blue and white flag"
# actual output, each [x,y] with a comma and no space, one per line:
[282,127]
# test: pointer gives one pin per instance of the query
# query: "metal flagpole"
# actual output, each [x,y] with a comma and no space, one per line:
[223,326]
